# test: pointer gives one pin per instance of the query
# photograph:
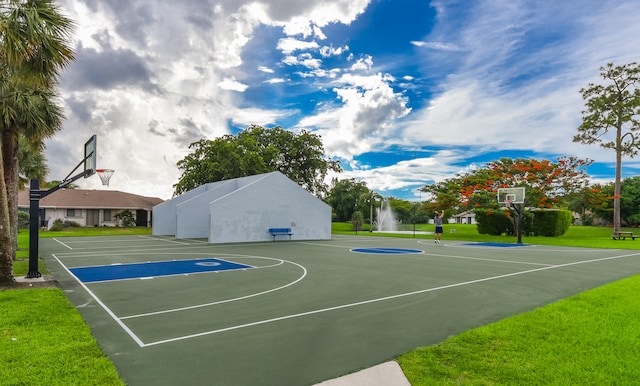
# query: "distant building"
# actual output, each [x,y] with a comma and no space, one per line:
[468,217]
[91,207]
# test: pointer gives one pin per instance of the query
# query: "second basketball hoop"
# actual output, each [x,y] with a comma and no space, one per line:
[105,175]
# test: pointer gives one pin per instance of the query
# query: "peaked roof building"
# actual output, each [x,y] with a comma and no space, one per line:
[91,207]
[245,209]
[91,199]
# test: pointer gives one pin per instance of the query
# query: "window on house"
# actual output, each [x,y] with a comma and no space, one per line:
[106,215]
[74,212]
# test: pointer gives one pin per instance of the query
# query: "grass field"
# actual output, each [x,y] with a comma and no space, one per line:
[44,341]
[587,339]
[577,236]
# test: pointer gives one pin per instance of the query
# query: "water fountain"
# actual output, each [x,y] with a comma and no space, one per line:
[386,219]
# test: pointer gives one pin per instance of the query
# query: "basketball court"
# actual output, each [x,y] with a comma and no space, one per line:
[172,311]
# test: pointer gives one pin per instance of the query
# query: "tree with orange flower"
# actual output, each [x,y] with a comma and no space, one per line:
[546,182]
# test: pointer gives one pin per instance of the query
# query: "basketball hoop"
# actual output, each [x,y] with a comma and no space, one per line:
[105,175]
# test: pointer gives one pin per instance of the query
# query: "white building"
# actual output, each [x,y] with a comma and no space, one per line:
[243,210]
[468,217]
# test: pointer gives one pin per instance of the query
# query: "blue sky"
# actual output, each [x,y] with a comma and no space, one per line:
[403,92]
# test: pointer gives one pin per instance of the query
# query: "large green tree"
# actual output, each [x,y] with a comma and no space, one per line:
[630,201]
[407,212]
[34,49]
[612,118]
[258,150]
[347,196]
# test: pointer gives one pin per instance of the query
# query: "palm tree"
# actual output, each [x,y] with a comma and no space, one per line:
[31,161]
[34,49]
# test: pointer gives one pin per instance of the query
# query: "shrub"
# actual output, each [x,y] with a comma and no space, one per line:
[125,218]
[551,222]
[540,222]
[57,225]
[587,219]
[356,220]
[23,219]
[634,220]
[493,222]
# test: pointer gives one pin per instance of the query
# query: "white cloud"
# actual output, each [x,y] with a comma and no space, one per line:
[304,60]
[188,85]
[263,117]
[328,51]
[363,64]
[437,45]
[489,102]
[289,45]
[364,118]
[266,69]
[153,76]
[298,25]
[232,84]
[321,73]
[468,112]
[297,17]
[405,174]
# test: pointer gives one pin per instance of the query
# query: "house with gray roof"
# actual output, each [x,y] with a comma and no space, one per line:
[91,207]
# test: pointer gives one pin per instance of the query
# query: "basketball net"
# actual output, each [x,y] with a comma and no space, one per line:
[105,175]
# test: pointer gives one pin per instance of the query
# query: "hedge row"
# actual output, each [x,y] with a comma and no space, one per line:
[539,222]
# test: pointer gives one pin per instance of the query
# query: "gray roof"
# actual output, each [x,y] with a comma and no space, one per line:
[91,199]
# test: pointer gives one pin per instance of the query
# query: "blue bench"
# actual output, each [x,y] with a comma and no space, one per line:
[280,232]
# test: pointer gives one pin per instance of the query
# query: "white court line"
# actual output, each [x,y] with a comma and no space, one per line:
[327,245]
[110,240]
[304,273]
[425,253]
[133,251]
[113,316]
[492,260]
[61,243]
[163,276]
[528,248]
[292,316]
[168,261]
[165,240]
[138,249]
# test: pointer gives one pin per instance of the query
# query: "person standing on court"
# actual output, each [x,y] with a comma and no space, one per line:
[438,221]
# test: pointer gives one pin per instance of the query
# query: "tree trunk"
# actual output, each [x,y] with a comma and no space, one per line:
[617,185]
[7,252]
[11,174]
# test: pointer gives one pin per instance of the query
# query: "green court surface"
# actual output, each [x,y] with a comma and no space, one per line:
[171,312]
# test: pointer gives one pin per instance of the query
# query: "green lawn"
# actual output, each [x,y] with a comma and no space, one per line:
[44,341]
[587,339]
